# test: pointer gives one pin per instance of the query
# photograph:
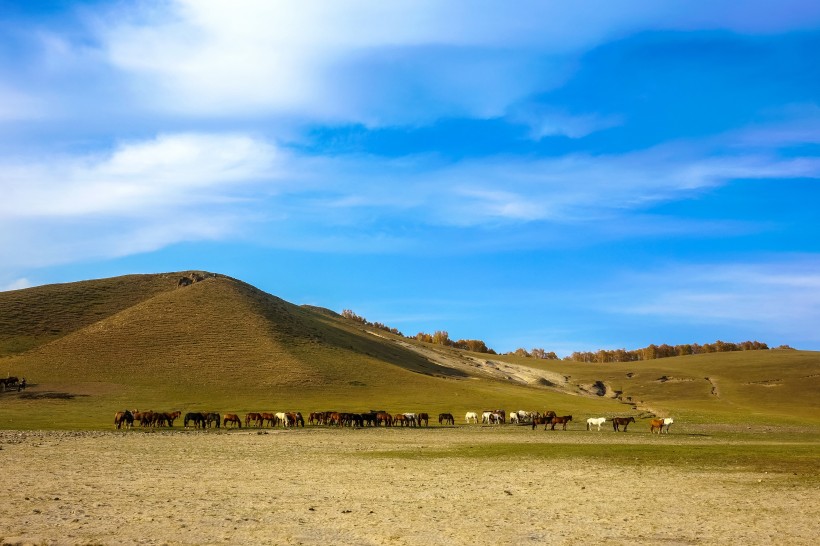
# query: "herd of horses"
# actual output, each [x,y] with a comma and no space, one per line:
[550,420]
[12,382]
[372,418]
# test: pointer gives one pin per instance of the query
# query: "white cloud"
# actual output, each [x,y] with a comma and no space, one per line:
[384,62]
[168,172]
[139,197]
[145,195]
[17,284]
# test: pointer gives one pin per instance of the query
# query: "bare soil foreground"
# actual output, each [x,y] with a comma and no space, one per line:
[462,485]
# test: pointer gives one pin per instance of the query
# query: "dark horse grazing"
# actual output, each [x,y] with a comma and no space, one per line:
[423,417]
[446,418]
[621,421]
[198,419]
[559,421]
[211,419]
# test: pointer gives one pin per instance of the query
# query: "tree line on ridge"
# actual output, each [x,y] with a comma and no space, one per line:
[650,352]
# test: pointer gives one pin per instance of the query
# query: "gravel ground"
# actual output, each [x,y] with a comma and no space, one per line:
[323,486]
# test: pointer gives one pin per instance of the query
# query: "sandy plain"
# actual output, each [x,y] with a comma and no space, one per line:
[382,486]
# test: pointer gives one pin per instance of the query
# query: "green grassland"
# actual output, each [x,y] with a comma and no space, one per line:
[795,458]
[746,386]
[91,348]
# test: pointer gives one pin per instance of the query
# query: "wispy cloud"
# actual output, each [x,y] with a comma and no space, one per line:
[17,284]
[780,296]
[169,171]
[547,121]
[140,196]
[144,195]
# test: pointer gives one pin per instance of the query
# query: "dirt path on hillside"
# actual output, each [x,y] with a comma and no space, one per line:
[525,375]
[494,369]
[322,486]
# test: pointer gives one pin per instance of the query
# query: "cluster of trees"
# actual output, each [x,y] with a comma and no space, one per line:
[348,314]
[535,353]
[441,337]
[663,351]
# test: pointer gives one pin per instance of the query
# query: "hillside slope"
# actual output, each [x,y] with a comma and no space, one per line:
[216,330]
[142,340]
[35,316]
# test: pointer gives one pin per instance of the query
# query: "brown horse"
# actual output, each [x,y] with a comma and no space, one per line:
[423,417]
[233,419]
[618,422]
[545,419]
[147,418]
[295,418]
[399,420]
[255,418]
[269,417]
[559,421]
[655,424]
[124,418]
[446,418]
[171,417]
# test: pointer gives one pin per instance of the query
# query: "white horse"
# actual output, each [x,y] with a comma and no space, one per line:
[514,418]
[281,417]
[595,421]
[471,415]
[667,422]
[487,417]
[523,416]
[412,419]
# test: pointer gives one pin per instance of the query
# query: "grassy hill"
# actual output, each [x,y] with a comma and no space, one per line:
[744,386]
[140,341]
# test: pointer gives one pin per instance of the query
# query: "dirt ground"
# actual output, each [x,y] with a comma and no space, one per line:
[321,486]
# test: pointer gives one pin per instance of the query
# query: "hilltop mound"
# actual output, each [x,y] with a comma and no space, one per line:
[149,329]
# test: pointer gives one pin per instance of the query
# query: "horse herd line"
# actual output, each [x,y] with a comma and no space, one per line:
[374,418]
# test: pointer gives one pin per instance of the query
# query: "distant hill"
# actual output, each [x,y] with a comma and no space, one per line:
[145,340]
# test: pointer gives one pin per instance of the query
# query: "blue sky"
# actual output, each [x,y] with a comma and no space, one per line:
[570,176]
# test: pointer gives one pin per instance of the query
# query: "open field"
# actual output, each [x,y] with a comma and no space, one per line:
[740,466]
[461,485]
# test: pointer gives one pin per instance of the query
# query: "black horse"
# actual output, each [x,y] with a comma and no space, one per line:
[198,419]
